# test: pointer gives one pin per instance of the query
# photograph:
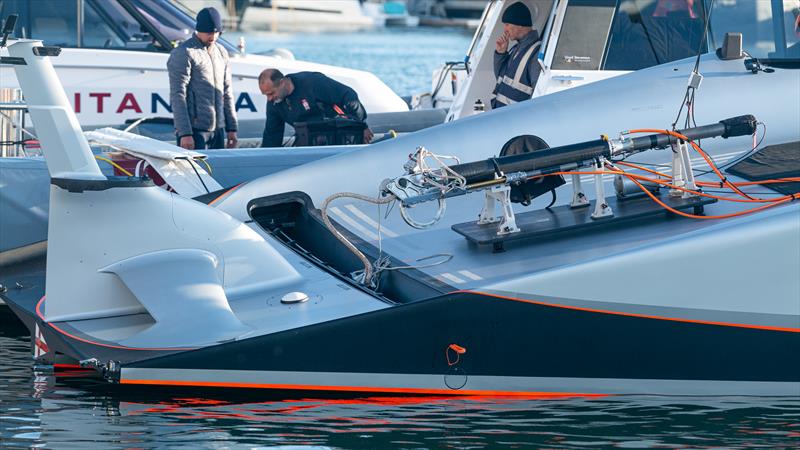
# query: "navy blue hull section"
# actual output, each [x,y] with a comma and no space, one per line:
[510,338]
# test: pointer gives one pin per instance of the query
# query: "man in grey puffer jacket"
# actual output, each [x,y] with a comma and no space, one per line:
[200,88]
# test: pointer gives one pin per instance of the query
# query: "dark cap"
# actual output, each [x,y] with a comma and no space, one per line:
[208,21]
[518,14]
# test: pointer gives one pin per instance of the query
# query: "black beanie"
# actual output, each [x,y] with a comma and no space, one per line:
[518,14]
[208,21]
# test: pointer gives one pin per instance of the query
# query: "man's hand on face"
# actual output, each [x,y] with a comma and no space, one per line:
[368,135]
[187,142]
[233,141]
[502,43]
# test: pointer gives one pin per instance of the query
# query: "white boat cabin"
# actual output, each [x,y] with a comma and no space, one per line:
[589,40]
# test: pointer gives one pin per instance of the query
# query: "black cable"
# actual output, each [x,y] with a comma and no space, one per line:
[742,157]
[192,163]
[705,34]
[12,143]
[680,110]
[688,99]
[553,200]
[448,67]
[749,152]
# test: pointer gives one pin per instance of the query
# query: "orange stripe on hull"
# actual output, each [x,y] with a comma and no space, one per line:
[225,194]
[390,390]
[69,367]
[642,316]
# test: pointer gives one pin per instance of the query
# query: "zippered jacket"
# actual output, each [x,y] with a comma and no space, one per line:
[200,88]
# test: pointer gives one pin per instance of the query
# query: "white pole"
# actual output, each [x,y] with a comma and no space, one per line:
[65,149]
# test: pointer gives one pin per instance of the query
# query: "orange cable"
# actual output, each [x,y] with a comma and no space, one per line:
[723,216]
[699,150]
[708,183]
[671,186]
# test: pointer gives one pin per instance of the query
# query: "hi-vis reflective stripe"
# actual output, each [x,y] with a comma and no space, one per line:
[521,68]
[517,85]
[504,100]
[523,64]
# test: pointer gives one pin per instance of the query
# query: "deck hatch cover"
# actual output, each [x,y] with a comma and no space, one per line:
[773,161]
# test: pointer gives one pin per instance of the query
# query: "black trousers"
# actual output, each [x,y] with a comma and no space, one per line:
[204,140]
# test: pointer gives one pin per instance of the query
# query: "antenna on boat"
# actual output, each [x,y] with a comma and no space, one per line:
[8,28]
[695,78]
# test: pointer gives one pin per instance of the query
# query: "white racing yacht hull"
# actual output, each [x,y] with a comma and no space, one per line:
[253,290]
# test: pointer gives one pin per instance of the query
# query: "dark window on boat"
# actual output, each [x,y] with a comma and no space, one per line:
[173,20]
[770,29]
[54,22]
[108,25]
[647,33]
[168,20]
[583,35]
[101,32]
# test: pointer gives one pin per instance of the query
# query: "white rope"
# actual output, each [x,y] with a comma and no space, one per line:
[442,176]
[368,271]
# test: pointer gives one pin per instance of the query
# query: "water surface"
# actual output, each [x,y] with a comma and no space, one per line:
[403,58]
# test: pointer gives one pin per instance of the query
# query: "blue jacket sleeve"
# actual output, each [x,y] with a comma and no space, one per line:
[499,61]
[273,129]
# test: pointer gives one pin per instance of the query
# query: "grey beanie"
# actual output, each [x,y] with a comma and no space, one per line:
[518,14]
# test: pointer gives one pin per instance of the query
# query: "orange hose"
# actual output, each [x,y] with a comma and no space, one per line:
[636,166]
[723,216]
[699,150]
[708,183]
[724,182]
[672,186]
[750,183]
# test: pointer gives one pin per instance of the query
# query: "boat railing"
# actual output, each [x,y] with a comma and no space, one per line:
[12,123]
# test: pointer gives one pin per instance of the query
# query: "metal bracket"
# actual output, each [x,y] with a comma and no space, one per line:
[682,174]
[110,370]
[502,195]
[579,199]
[601,208]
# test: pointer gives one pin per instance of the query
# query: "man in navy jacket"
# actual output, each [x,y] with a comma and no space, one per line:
[517,68]
[304,96]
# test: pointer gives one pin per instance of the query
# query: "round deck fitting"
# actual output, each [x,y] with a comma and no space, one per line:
[294,297]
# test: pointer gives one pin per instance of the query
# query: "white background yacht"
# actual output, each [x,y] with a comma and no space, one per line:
[113,66]
[590,40]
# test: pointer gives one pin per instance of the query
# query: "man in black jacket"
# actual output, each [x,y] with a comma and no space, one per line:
[304,96]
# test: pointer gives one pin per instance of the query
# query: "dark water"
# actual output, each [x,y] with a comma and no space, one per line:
[403,58]
[70,412]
